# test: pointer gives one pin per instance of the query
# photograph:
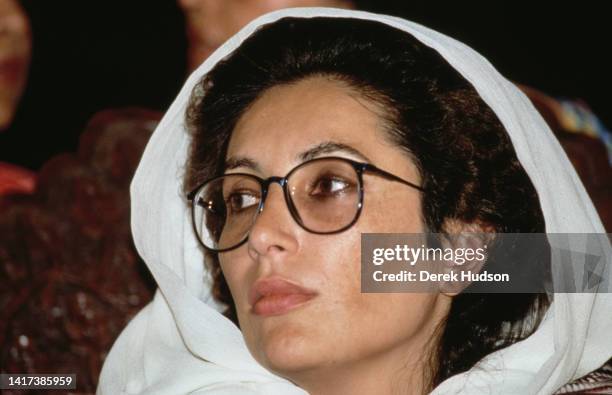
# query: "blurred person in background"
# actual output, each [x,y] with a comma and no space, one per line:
[15,50]
[210,22]
[15,53]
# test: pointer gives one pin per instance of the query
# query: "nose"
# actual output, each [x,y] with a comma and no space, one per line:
[274,232]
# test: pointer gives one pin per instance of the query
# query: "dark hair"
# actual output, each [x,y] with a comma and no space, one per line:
[468,167]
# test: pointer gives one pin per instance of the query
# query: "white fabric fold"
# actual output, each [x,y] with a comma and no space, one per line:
[180,343]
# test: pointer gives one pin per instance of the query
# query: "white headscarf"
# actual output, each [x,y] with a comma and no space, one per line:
[180,343]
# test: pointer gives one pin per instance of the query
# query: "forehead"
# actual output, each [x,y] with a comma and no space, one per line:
[10,7]
[288,119]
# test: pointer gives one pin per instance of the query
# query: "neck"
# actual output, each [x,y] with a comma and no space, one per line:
[403,369]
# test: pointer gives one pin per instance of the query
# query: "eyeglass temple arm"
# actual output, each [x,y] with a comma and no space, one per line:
[192,194]
[393,177]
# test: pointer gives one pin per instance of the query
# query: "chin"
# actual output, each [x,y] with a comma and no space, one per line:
[288,348]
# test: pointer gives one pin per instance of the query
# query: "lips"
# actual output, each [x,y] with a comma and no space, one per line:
[276,296]
[12,68]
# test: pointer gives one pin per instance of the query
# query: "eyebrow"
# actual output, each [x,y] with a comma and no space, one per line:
[328,147]
[325,147]
[234,162]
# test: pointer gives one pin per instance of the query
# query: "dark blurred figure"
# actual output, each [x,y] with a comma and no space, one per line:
[70,277]
[210,22]
[587,143]
[15,53]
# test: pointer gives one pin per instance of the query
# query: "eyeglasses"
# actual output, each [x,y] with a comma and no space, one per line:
[324,196]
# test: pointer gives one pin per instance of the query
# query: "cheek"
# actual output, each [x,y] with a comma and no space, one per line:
[370,321]
[236,271]
[392,211]
[357,324]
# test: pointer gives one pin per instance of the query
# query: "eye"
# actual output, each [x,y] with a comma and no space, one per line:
[329,186]
[238,201]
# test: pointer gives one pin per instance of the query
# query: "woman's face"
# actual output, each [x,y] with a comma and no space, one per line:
[336,326]
[15,46]
[211,22]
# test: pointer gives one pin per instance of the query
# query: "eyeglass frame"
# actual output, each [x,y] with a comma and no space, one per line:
[359,167]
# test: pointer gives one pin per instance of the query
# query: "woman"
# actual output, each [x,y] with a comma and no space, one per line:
[15,52]
[370,94]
